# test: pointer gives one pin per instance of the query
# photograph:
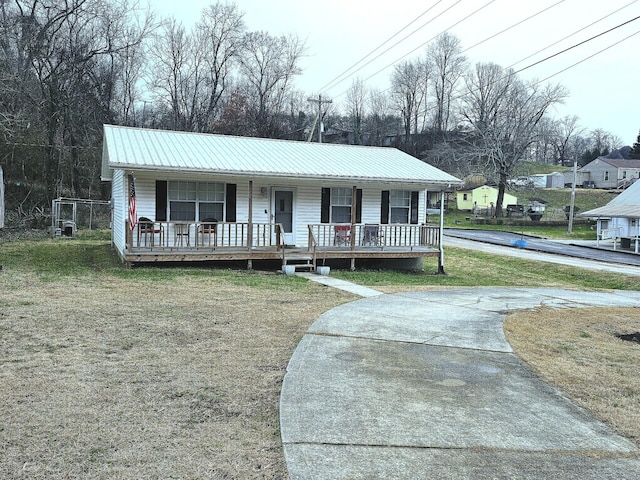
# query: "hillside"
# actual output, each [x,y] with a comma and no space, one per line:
[558,198]
[534,168]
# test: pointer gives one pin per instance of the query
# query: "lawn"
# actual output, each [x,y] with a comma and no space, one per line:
[145,373]
[554,223]
[176,372]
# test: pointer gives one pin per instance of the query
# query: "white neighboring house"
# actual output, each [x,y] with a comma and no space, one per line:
[604,172]
[620,218]
[205,197]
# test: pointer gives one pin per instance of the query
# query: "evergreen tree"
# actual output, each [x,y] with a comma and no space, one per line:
[635,150]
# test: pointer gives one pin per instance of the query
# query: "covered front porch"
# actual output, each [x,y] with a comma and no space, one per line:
[202,241]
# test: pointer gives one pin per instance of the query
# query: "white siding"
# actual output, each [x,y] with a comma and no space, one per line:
[629,227]
[119,204]
[145,196]
[307,200]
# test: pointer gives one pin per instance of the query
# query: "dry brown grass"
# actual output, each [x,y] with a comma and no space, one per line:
[577,351]
[103,377]
[169,376]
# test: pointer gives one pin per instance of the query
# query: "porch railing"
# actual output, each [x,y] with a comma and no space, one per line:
[194,236]
[205,235]
[380,236]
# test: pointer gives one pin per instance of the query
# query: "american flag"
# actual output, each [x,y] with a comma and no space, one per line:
[133,216]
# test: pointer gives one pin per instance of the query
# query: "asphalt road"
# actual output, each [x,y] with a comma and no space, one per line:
[537,244]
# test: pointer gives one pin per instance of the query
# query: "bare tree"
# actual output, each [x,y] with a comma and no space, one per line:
[355,104]
[61,57]
[486,88]
[543,150]
[177,75]
[604,141]
[219,35]
[567,129]
[234,115]
[127,67]
[408,84]
[298,116]
[380,121]
[449,65]
[268,65]
[191,70]
[503,125]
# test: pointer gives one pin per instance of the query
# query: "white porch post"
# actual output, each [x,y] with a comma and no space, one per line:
[250,220]
[354,200]
[441,247]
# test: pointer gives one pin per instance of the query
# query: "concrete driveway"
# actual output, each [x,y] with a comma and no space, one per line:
[424,386]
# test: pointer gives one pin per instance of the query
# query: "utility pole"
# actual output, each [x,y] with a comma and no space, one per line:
[573,195]
[319,101]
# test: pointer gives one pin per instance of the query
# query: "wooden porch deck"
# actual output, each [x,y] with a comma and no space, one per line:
[201,242]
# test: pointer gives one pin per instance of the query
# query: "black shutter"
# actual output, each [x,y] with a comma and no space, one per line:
[414,207]
[161,200]
[359,205]
[325,205]
[230,203]
[384,207]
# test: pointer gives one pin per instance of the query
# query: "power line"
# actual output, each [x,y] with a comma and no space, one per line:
[335,80]
[540,61]
[512,26]
[590,56]
[486,39]
[572,34]
[566,50]
[579,44]
[423,44]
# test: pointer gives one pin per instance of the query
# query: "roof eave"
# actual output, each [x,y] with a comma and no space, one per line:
[235,173]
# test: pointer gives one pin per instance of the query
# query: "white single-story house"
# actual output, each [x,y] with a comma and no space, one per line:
[619,219]
[482,198]
[181,196]
[604,172]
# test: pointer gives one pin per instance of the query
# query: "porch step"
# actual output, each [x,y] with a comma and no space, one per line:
[299,262]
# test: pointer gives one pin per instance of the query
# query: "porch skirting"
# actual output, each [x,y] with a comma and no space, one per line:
[227,255]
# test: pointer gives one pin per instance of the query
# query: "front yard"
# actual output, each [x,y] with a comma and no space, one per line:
[176,372]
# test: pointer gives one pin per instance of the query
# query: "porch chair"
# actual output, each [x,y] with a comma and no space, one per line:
[182,234]
[342,235]
[147,231]
[372,236]
[208,228]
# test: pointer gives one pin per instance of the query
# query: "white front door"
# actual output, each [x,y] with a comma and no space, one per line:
[284,213]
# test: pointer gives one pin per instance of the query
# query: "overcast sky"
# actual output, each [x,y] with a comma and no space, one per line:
[603,90]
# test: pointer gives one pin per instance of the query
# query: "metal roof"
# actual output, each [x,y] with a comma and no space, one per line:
[625,205]
[613,210]
[140,149]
